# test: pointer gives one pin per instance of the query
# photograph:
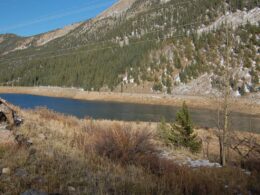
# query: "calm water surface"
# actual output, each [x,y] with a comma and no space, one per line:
[128,112]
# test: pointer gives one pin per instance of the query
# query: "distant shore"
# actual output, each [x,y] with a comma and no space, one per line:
[243,105]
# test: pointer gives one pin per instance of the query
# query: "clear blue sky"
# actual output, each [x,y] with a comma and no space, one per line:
[30,17]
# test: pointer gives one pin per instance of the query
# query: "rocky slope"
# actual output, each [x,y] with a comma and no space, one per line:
[234,19]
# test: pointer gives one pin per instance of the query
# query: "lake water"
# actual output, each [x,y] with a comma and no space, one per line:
[129,112]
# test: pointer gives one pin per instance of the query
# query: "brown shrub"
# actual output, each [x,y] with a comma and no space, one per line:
[123,144]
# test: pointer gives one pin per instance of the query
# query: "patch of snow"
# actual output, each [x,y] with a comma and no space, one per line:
[247,76]
[165,1]
[125,79]
[121,43]
[246,172]
[131,81]
[236,93]
[246,89]
[126,40]
[201,163]
[182,160]
[177,79]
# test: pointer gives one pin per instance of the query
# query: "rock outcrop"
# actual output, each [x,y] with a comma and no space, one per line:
[8,120]
[8,116]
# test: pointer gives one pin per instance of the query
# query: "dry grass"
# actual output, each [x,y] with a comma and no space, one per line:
[104,157]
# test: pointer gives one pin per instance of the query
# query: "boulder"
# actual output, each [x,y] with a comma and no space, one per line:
[6,171]
[20,172]
[71,189]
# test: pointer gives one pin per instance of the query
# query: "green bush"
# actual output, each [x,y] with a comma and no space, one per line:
[157,86]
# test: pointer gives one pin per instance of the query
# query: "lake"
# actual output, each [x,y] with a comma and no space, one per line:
[129,111]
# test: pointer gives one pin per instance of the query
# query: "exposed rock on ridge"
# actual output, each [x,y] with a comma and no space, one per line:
[235,19]
[117,9]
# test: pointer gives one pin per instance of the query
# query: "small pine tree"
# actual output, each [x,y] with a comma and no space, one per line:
[181,133]
[184,130]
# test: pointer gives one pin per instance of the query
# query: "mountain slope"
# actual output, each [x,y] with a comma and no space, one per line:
[21,43]
[147,46]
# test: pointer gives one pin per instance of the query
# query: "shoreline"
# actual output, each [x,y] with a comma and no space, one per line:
[240,105]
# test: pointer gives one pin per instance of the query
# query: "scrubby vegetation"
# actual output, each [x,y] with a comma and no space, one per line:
[71,156]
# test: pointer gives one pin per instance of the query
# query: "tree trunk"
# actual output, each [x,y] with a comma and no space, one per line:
[224,136]
[225,130]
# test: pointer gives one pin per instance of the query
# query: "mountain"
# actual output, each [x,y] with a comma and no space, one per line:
[11,43]
[149,46]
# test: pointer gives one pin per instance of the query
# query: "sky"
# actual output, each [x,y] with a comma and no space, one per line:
[31,17]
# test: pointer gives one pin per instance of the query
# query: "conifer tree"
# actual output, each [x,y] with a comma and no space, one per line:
[184,130]
[181,133]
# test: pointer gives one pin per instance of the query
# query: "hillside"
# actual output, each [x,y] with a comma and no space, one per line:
[143,46]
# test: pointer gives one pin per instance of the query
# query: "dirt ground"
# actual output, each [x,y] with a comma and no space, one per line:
[247,105]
